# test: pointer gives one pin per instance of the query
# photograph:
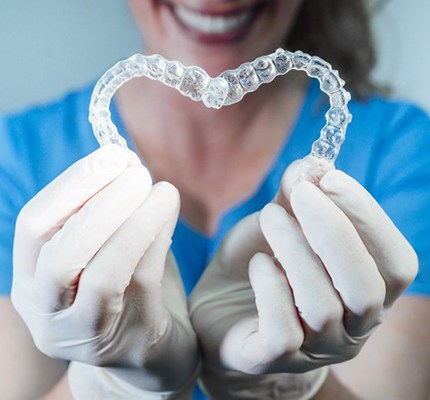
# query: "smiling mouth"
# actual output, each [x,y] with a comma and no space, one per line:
[215,27]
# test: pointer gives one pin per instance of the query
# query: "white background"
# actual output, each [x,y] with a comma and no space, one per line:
[47,47]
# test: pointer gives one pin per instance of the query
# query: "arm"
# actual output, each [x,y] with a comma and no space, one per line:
[394,363]
[61,391]
[24,370]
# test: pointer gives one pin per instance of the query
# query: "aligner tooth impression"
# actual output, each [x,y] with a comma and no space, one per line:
[226,89]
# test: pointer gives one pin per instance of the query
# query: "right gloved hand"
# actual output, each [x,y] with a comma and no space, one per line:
[90,280]
[286,295]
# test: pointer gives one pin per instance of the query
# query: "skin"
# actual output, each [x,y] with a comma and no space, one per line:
[162,34]
[218,158]
[207,145]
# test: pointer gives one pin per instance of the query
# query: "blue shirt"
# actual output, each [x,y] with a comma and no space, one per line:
[386,150]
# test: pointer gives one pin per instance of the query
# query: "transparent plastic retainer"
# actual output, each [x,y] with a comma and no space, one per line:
[228,88]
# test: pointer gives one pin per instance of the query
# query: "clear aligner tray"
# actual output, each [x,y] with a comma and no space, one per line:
[226,89]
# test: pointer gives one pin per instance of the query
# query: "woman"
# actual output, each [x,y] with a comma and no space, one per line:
[282,299]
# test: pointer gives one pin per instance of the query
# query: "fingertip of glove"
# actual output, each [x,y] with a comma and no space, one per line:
[303,194]
[139,175]
[167,189]
[263,272]
[113,150]
[111,157]
[169,194]
[133,158]
[290,178]
[259,263]
[143,171]
[335,181]
[271,213]
[309,169]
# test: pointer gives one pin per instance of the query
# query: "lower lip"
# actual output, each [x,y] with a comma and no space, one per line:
[219,38]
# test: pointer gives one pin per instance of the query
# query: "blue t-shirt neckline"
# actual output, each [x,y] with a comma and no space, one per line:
[257,199]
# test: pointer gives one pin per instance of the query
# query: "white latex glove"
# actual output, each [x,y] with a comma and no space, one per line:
[90,279]
[288,294]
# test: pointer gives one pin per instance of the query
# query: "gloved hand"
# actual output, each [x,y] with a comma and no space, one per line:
[291,293]
[90,280]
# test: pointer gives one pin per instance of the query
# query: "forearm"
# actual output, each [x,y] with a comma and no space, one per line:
[334,389]
[61,391]
[24,371]
[395,362]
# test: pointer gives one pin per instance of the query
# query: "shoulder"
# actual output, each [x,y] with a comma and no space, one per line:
[384,135]
[39,143]
[379,107]
[386,149]
[389,119]
[48,125]
[68,106]
[36,145]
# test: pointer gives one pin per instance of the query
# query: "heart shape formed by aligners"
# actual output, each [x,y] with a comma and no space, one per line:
[228,88]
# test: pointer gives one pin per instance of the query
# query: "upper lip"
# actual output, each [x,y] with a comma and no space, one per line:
[217,12]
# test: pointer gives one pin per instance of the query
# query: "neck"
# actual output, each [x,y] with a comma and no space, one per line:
[215,157]
[160,116]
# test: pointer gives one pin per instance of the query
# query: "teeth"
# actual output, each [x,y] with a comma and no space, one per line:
[211,24]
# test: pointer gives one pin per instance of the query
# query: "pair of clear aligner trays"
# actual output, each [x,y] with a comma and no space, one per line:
[228,88]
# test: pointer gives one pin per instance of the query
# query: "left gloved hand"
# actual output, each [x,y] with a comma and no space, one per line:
[96,284]
[290,293]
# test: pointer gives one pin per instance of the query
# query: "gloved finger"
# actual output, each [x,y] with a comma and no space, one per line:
[352,269]
[173,293]
[310,169]
[62,258]
[240,245]
[252,344]
[133,259]
[163,210]
[47,212]
[318,303]
[146,282]
[394,256]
